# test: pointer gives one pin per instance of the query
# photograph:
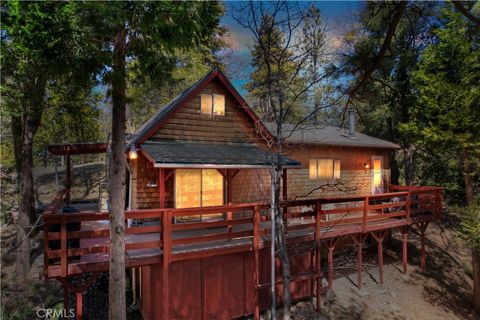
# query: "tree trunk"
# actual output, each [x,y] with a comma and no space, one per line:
[24,128]
[408,153]
[26,207]
[476,279]
[117,301]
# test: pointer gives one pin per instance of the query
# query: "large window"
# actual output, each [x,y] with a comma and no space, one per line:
[198,188]
[324,169]
[212,104]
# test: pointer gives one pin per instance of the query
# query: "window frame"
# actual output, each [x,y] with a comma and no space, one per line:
[211,108]
[335,162]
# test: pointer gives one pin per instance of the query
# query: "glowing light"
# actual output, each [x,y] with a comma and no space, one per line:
[132,154]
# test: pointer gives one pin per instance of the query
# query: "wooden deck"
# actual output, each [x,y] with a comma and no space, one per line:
[332,217]
[78,244]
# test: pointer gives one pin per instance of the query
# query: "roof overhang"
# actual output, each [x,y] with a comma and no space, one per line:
[180,154]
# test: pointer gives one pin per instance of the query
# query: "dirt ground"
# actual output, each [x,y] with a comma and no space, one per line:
[442,292]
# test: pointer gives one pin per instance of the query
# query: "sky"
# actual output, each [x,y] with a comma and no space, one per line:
[334,14]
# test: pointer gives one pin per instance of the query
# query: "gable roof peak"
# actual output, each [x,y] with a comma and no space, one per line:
[155,122]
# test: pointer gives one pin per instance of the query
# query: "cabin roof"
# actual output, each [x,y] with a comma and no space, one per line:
[154,123]
[329,135]
[193,154]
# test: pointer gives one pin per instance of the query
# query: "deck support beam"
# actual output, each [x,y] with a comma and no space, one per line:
[161,187]
[285,185]
[422,226]
[317,262]
[404,230]
[228,176]
[359,239]
[379,236]
[256,248]
[78,289]
[331,247]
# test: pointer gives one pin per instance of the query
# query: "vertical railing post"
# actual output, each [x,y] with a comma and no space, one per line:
[408,207]
[256,247]
[166,227]
[63,245]
[317,265]
[365,213]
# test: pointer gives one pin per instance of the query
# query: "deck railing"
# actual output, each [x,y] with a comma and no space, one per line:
[75,241]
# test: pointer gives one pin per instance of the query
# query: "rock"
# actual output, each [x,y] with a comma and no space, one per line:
[362,293]
[391,254]
[331,297]
[394,296]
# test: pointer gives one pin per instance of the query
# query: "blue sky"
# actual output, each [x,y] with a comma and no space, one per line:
[333,15]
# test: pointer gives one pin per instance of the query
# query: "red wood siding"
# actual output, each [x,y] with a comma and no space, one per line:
[218,287]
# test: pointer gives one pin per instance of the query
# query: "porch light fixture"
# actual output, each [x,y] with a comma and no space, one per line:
[132,154]
[366,166]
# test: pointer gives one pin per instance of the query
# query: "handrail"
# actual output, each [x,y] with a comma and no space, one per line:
[358,214]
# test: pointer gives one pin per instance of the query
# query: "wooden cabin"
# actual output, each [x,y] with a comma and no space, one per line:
[198,235]
[207,147]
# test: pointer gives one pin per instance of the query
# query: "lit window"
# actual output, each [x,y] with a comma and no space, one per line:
[212,104]
[324,169]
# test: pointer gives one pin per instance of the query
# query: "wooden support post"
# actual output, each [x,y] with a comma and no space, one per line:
[408,208]
[422,226]
[331,247]
[404,231]
[167,221]
[379,236]
[359,240]
[161,187]
[229,179]
[285,185]
[68,181]
[79,301]
[78,290]
[256,247]
[318,254]
[365,214]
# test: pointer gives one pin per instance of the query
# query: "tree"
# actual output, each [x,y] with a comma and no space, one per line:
[76,111]
[142,36]
[260,87]
[385,99]
[471,232]
[447,117]
[285,76]
[38,49]
[145,97]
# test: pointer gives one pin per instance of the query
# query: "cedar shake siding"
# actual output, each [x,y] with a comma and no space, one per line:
[188,124]
[143,196]
[254,185]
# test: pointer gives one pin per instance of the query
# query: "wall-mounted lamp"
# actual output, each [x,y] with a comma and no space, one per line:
[132,154]
[366,166]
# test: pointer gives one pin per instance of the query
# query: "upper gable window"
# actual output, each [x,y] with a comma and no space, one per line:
[212,104]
